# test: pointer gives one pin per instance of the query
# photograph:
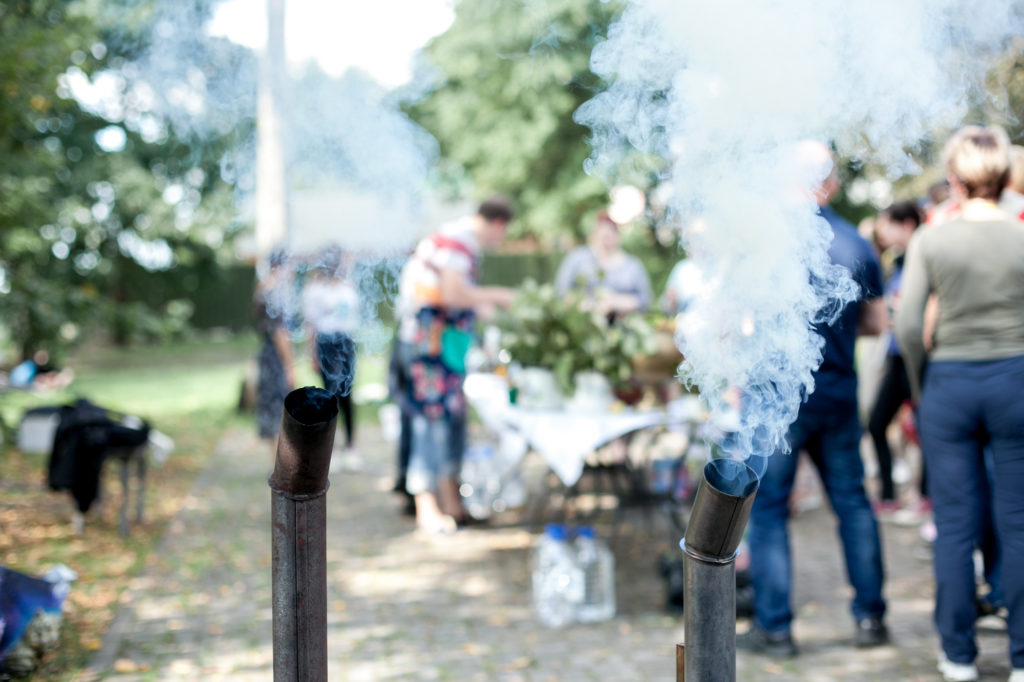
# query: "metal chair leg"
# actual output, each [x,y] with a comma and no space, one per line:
[123,527]
[140,482]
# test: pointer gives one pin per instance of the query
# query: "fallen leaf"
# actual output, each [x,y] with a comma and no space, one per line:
[125,665]
[519,663]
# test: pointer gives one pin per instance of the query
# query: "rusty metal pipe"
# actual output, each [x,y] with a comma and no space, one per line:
[299,535]
[721,508]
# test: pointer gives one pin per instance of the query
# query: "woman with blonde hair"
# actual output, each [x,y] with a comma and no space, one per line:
[970,396]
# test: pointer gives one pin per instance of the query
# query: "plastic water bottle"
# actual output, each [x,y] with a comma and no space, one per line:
[476,480]
[597,562]
[557,579]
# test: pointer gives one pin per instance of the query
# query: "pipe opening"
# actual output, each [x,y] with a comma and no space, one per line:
[720,510]
[310,405]
[305,444]
[731,477]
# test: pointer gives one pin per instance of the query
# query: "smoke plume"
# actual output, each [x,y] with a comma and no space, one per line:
[723,92]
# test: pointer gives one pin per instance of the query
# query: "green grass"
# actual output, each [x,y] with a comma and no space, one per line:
[189,391]
[159,382]
[151,381]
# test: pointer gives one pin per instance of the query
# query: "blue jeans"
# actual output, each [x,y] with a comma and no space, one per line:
[430,457]
[832,439]
[965,405]
[989,542]
[431,446]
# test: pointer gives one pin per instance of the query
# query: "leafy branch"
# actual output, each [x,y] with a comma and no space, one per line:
[543,328]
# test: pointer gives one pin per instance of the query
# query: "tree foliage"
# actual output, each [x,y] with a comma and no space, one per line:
[510,75]
[38,40]
[99,186]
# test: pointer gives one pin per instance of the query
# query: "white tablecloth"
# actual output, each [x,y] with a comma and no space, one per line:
[562,438]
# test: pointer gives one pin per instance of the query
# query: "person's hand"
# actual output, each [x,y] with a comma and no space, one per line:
[620,303]
[289,377]
[486,311]
[503,297]
[931,318]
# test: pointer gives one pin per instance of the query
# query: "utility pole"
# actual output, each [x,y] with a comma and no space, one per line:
[271,175]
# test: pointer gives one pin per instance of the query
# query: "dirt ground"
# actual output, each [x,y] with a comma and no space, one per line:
[403,606]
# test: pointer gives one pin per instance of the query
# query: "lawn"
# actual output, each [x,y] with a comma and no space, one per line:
[189,391]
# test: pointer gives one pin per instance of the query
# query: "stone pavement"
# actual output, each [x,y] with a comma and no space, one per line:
[402,606]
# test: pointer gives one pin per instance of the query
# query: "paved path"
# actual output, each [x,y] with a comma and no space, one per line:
[406,607]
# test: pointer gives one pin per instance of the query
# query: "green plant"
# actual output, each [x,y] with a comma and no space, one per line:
[543,328]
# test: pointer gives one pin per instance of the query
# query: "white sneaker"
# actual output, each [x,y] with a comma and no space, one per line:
[1017,675]
[346,459]
[957,672]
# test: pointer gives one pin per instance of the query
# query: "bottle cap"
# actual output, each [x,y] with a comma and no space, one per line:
[556,531]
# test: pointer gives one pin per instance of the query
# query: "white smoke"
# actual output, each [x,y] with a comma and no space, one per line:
[350,141]
[723,91]
[358,169]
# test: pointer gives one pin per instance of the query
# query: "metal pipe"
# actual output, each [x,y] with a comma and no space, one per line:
[721,508]
[299,535]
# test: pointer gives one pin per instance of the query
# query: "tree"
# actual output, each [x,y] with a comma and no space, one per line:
[510,75]
[869,187]
[39,39]
[102,192]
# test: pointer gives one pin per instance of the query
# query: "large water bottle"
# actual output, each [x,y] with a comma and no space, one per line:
[557,579]
[476,478]
[597,562]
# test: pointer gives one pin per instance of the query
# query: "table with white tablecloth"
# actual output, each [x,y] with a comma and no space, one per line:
[563,438]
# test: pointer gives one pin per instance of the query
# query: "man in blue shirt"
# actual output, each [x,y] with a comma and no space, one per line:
[829,430]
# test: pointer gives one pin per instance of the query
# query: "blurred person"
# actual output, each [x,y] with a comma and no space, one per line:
[897,225]
[613,281]
[330,306]
[276,366]
[969,396]
[940,205]
[988,543]
[870,231]
[439,295]
[37,372]
[1012,198]
[398,387]
[684,285]
[828,429]
[1011,201]
[944,207]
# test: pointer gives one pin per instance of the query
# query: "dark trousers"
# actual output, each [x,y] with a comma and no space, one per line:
[832,439]
[989,545]
[404,447]
[336,354]
[348,413]
[893,391]
[347,409]
[964,406]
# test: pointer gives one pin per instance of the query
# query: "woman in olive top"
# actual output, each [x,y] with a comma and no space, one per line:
[971,394]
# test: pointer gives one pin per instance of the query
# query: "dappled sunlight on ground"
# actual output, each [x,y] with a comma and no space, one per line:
[404,606]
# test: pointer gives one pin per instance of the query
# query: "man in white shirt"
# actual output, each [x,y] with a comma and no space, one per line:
[439,295]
